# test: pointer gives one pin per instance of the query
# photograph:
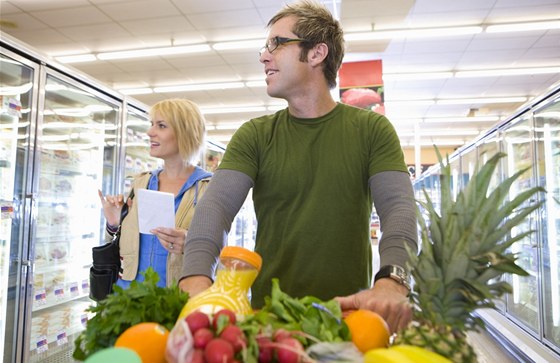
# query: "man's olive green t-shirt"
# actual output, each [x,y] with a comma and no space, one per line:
[311,196]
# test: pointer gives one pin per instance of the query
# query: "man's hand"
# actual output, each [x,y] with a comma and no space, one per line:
[194,285]
[387,298]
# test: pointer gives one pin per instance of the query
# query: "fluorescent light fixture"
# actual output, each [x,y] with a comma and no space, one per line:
[463,101]
[255,83]
[519,27]
[225,126]
[274,108]
[424,133]
[461,119]
[415,76]
[154,52]
[136,91]
[412,33]
[214,110]
[391,103]
[507,72]
[199,87]
[78,58]
[239,44]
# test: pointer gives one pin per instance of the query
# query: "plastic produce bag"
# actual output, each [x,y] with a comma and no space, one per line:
[180,344]
[335,352]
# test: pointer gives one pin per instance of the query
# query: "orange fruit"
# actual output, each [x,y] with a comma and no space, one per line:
[368,330]
[148,340]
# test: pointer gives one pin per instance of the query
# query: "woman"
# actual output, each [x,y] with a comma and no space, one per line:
[177,136]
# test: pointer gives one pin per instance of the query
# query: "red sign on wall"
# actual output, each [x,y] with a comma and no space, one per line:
[361,85]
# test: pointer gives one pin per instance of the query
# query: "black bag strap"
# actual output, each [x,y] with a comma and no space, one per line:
[124,213]
[124,210]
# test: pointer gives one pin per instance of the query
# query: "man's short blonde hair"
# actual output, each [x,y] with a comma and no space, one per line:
[316,24]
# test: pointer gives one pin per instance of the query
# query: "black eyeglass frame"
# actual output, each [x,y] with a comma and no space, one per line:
[278,41]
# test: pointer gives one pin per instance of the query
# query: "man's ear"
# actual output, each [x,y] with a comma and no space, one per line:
[318,54]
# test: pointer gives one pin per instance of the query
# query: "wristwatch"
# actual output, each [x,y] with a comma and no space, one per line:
[394,272]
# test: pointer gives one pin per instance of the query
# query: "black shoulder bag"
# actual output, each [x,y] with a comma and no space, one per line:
[106,266]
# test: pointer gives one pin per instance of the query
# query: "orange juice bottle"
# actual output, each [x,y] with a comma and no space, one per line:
[236,272]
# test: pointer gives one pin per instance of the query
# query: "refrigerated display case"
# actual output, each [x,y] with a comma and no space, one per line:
[17,95]
[527,321]
[63,136]
[76,153]
[547,139]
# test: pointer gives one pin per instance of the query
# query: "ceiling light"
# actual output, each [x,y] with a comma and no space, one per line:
[239,44]
[461,119]
[463,101]
[507,72]
[153,52]
[199,87]
[390,103]
[255,83]
[136,91]
[415,76]
[412,33]
[213,110]
[79,58]
[517,27]
[228,126]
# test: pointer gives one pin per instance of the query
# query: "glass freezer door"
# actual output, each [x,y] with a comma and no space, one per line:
[76,152]
[16,98]
[547,136]
[523,304]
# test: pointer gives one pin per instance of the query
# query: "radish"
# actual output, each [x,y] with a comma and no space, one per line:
[202,337]
[198,356]
[280,334]
[197,320]
[218,350]
[234,335]
[224,312]
[265,349]
[288,350]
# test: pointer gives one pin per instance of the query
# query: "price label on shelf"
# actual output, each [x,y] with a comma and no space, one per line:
[61,338]
[42,344]
[59,292]
[84,319]
[74,291]
[40,297]
[85,285]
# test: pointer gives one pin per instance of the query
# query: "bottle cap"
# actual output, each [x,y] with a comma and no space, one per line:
[244,254]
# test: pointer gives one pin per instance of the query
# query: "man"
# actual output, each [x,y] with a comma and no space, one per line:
[315,168]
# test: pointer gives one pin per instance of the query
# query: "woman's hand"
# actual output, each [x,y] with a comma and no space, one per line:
[172,239]
[112,206]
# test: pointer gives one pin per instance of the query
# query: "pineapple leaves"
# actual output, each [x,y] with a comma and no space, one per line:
[465,243]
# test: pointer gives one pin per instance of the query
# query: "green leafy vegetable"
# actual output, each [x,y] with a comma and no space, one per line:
[309,319]
[141,302]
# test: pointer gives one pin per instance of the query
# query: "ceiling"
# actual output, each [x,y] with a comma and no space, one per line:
[70,27]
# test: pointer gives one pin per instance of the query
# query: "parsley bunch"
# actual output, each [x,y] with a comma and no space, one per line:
[141,302]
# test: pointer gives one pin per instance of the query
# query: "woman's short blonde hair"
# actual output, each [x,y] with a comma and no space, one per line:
[188,123]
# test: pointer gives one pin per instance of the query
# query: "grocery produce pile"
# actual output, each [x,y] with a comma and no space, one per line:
[285,330]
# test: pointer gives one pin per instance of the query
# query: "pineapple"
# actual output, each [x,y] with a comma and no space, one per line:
[464,252]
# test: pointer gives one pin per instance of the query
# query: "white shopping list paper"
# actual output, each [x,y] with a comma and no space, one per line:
[155,209]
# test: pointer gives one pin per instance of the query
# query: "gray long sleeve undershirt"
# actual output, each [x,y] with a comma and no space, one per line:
[228,190]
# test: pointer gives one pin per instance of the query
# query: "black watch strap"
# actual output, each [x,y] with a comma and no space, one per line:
[394,272]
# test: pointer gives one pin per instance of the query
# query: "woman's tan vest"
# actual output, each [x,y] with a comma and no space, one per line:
[130,233]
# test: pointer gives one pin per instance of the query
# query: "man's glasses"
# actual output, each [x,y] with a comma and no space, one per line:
[274,43]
